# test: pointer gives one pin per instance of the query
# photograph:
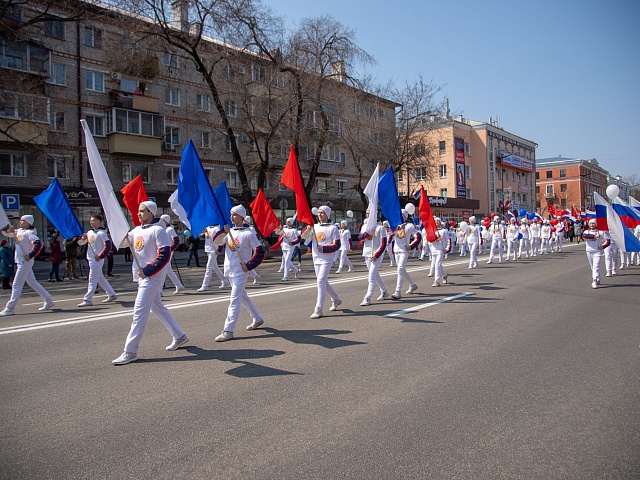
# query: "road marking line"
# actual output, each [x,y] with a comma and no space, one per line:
[426,305]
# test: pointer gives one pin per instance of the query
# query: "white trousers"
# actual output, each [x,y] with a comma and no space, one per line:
[473,254]
[24,273]
[374,277]
[436,260]
[287,265]
[559,242]
[511,248]
[610,258]
[594,263]
[324,287]
[535,245]
[96,277]
[212,265]
[389,251]
[239,297]
[524,242]
[401,261]
[172,275]
[344,259]
[496,244]
[546,246]
[148,300]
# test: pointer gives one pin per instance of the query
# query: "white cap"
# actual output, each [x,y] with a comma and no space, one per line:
[472,218]
[27,218]
[151,206]
[247,219]
[239,210]
[290,220]
[405,213]
[326,210]
[166,219]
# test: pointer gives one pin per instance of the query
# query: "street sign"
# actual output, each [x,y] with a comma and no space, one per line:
[283,204]
[11,201]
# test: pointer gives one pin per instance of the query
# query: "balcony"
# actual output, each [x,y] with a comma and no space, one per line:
[130,101]
[134,132]
[549,195]
[24,118]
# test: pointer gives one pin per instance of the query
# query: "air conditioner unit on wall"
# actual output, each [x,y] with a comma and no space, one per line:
[116,75]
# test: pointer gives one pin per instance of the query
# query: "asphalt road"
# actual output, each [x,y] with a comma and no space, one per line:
[518,370]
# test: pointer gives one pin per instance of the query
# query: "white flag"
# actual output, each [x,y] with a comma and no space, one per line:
[179,209]
[116,221]
[371,192]
[4,220]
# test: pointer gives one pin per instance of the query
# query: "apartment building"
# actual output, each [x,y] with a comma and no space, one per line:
[568,182]
[144,101]
[481,168]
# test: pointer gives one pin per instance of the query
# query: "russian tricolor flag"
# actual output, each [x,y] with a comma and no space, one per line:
[629,216]
[608,219]
[634,203]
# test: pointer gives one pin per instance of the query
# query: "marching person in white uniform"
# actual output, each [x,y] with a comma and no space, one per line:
[610,258]
[474,240]
[243,253]
[290,238]
[512,238]
[373,252]
[596,241]
[324,241]
[498,234]
[247,223]
[99,246]
[152,251]
[535,237]
[210,234]
[403,244]
[440,247]
[345,247]
[28,246]
[175,243]
[525,235]
[560,229]
[389,249]
[545,236]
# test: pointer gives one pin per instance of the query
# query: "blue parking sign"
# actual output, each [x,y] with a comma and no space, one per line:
[11,201]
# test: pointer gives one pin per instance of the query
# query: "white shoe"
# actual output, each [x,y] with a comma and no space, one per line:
[365,303]
[6,312]
[223,285]
[490,261]
[224,336]
[178,342]
[435,284]
[48,305]
[411,289]
[255,325]
[126,357]
[317,313]
[334,305]
[614,273]
[594,285]
[285,279]
[396,296]
[178,290]
[608,274]
[85,303]
[110,299]
[255,280]
[430,274]
[203,289]
[384,296]
[350,270]
[338,271]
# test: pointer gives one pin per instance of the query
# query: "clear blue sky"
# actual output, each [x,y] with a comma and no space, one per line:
[562,73]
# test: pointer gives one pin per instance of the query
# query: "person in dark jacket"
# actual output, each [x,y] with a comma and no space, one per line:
[71,253]
[193,250]
[56,258]
[6,257]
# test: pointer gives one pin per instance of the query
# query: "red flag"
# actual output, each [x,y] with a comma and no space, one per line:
[263,216]
[134,193]
[575,213]
[551,209]
[427,217]
[276,245]
[292,179]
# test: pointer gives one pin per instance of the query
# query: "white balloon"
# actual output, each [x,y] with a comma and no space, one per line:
[613,191]
[464,226]
[314,210]
[349,214]
[411,208]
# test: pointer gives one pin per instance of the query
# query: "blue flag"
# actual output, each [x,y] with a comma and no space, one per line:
[194,191]
[55,206]
[388,198]
[225,203]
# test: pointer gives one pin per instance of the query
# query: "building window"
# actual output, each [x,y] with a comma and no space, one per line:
[499,173]
[172,96]
[563,187]
[202,103]
[341,187]
[227,143]
[343,158]
[171,137]
[170,60]
[550,189]
[230,108]
[469,194]
[443,192]
[524,198]
[467,169]
[563,173]
[513,176]
[56,122]
[204,139]
[232,179]
[400,176]
[420,173]
[442,147]
[12,164]
[322,185]
[537,175]
[96,125]
[537,189]
[172,175]
[443,171]
[254,182]
[549,174]
[92,37]
[467,148]
[57,167]
[94,81]
[563,202]
[58,74]
[132,170]
[54,29]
